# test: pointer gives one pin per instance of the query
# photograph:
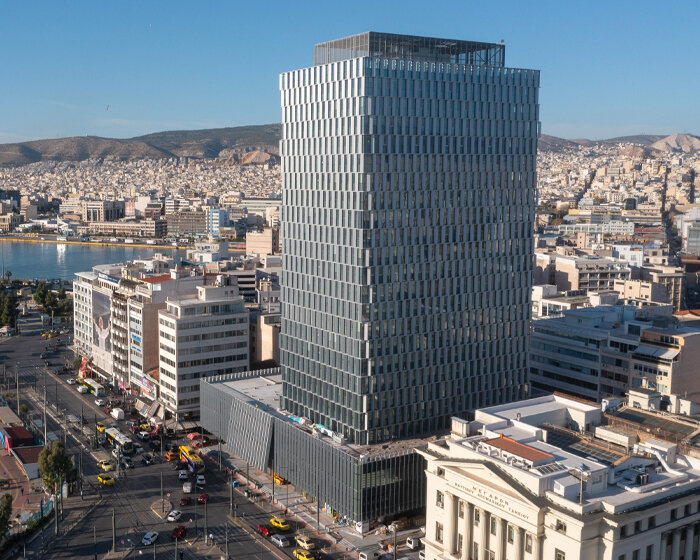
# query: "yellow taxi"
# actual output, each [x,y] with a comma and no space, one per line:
[301,554]
[105,479]
[106,465]
[101,426]
[280,523]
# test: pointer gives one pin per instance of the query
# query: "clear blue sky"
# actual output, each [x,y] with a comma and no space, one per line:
[608,67]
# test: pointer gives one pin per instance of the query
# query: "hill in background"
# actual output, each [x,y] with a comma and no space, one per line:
[243,145]
[208,143]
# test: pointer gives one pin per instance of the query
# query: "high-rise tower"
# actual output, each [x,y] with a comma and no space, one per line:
[409,185]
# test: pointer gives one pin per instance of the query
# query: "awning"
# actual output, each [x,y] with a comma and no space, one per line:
[659,353]
[141,408]
[152,409]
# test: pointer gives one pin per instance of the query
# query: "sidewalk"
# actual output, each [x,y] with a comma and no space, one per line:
[74,510]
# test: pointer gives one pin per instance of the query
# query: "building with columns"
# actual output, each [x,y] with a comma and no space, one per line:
[545,479]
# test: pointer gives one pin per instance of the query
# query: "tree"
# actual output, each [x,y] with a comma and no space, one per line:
[5,513]
[62,293]
[8,274]
[54,464]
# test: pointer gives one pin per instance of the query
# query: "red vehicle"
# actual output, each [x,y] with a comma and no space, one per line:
[264,530]
[203,498]
[193,436]
[184,501]
[178,532]
[133,429]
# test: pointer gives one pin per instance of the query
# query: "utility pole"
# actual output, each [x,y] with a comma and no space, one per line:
[80,466]
[55,513]
[205,521]
[393,548]
[94,541]
[45,435]
[154,550]
[114,533]
[196,525]
[318,510]
[219,453]
[162,499]
[226,541]
[17,384]
[176,539]
[230,495]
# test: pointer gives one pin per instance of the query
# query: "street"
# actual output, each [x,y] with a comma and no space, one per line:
[137,491]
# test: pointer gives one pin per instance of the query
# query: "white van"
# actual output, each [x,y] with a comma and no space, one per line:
[370,554]
[187,488]
[280,540]
[413,543]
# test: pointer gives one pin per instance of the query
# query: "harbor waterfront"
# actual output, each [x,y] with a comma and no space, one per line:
[51,260]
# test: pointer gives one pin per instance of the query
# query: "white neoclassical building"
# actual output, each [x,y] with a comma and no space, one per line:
[542,480]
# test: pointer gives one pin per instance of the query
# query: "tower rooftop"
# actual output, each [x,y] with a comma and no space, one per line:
[410,47]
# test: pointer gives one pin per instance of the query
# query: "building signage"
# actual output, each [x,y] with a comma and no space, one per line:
[495,500]
[114,280]
[136,338]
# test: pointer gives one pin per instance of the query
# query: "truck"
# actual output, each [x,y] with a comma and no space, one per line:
[117,414]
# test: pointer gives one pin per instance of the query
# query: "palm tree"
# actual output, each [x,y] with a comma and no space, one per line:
[9,275]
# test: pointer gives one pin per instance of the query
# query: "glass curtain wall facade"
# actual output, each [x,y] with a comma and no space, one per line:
[408,203]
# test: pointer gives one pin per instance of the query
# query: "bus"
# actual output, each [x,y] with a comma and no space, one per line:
[95,388]
[119,440]
[194,461]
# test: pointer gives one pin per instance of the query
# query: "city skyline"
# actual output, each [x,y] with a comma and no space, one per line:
[162,67]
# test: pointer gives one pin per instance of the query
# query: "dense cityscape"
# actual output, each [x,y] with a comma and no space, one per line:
[414,329]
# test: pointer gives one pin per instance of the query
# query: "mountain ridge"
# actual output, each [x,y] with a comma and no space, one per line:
[230,143]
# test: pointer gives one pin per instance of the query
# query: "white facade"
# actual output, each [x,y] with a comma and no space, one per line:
[497,490]
[200,336]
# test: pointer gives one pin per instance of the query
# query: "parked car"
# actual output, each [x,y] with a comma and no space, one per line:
[127,463]
[132,422]
[178,532]
[147,460]
[301,554]
[305,542]
[187,488]
[149,538]
[203,498]
[171,456]
[264,530]
[279,540]
[184,501]
[70,381]
[183,475]
[174,515]
[143,436]
[201,481]
[99,402]
[82,389]
[280,523]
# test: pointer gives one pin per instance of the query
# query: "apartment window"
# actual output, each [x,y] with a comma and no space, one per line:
[477,516]
[440,499]
[637,526]
[528,543]
[475,550]
[621,557]
[460,542]
[494,525]
[511,534]
[559,555]
[686,510]
[650,552]
[623,531]
[635,554]
[491,555]
[440,471]
[652,522]
[560,526]
[438,532]
[460,509]
[673,515]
